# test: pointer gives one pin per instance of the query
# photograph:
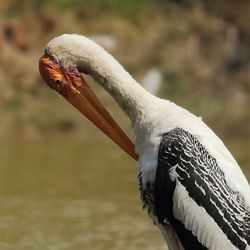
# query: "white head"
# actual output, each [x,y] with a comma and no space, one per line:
[90,58]
[65,58]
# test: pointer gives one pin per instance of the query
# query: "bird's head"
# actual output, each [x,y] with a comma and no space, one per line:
[69,82]
[63,80]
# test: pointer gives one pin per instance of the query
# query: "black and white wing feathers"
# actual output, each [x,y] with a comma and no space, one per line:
[185,166]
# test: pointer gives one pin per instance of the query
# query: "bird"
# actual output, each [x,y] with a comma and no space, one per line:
[189,183]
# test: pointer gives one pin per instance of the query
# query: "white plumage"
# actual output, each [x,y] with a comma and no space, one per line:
[152,117]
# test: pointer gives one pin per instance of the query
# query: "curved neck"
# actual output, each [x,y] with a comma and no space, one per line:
[131,96]
[106,71]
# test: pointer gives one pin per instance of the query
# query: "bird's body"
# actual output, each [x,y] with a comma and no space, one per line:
[191,185]
[181,125]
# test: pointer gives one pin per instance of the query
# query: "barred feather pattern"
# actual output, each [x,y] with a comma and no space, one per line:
[147,195]
[188,162]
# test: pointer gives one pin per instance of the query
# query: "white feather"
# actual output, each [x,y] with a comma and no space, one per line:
[197,220]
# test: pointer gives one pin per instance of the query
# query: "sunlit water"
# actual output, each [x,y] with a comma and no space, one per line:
[67,196]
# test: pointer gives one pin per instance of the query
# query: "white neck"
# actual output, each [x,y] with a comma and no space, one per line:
[90,58]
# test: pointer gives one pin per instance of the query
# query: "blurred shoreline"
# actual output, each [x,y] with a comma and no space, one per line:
[201,50]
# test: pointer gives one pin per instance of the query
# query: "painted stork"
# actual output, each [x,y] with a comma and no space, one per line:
[191,185]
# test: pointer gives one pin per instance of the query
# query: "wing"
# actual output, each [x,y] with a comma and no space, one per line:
[191,193]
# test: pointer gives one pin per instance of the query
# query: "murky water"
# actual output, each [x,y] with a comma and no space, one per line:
[74,196]
[71,197]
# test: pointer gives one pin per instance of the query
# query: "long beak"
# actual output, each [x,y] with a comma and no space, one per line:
[80,95]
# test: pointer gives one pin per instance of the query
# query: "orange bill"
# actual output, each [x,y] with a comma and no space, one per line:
[72,86]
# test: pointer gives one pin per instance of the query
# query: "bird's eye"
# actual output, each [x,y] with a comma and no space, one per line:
[57,81]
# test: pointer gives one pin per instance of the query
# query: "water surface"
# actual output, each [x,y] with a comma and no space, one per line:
[68,196]
[76,196]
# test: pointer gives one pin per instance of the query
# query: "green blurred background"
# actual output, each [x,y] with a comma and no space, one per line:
[63,184]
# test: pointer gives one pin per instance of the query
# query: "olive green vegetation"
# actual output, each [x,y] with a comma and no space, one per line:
[111,5]
[202,50]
